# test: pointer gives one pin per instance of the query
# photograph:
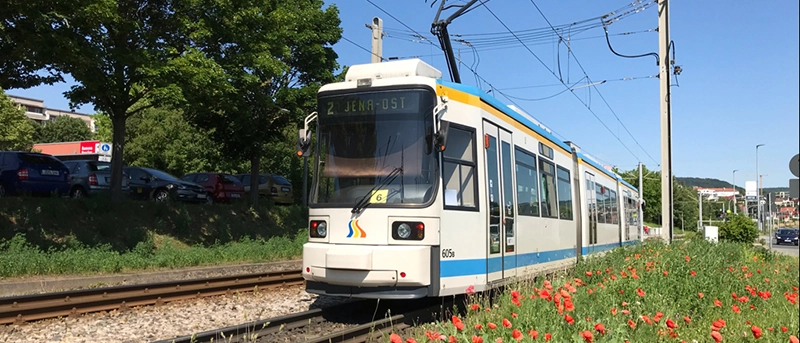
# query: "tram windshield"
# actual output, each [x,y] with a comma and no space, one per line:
[375,147]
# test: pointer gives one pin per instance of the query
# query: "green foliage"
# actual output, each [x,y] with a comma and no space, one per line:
[705,182]
[739,228]
[63,129]
[162,139]
[51,236]
[16,130]
[103,124]
[685,210]
[672,294]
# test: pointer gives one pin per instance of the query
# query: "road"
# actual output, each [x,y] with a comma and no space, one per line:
[791,250]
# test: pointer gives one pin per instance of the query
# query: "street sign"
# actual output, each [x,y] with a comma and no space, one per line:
[750,190]
[794,188]
[794,165]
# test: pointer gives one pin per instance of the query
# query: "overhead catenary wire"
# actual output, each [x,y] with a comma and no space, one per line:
[595,87]
[363,48]
[563,83]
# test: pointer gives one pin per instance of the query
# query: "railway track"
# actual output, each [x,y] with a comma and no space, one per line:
[353,322]
[20,309]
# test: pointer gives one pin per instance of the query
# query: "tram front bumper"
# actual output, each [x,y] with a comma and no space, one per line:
[367,265]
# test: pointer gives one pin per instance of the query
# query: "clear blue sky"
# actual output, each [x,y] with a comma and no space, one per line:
[738,88]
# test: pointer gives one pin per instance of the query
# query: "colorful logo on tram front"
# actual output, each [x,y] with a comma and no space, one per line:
[355,230]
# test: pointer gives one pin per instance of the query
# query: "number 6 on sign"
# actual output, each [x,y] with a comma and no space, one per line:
[379,196]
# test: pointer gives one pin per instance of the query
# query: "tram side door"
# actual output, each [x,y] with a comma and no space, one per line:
[502,259]
[591,201]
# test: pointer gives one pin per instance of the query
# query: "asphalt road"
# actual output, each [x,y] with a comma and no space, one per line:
[787,249]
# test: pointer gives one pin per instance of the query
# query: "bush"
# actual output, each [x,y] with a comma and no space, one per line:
[739,228]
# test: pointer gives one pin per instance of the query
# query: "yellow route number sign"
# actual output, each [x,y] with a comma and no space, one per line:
[379,196]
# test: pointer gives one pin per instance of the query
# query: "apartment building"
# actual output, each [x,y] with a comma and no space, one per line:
[35,109]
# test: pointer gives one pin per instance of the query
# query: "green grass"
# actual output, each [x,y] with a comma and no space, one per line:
[604,291]
[48,236]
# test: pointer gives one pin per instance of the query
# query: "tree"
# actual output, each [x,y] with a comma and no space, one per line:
[684,198]
[271,49]
[16,130]
[63,129]
[25,61]
[103,124]
[161,138]
[117,51]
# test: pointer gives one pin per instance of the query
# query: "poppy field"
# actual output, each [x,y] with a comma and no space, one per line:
[692,291]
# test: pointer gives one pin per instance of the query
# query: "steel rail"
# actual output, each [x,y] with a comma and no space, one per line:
[20,309]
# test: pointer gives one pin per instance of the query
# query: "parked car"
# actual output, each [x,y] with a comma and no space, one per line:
[156,185]
[32,173]
[271,185]
[788,236]
[221,187]
[88,178]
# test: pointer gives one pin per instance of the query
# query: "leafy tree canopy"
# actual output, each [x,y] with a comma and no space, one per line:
[63,129]
[16,130]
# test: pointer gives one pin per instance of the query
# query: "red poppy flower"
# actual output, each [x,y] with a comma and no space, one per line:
[514,315]
[658,316]
[499,340]
[478,326]
[701,295]
[716,336]
[492,326]
[614,311]
[588,273]
[587,336]
[506,323]
[666,273]
[671,324]
[568,305]
[687,319]
[569,319]
[784,329]
[736,309]
[687,258]
[395,338]
[632,324]
[516,335]
[432,336]
[756,331]
[547,337]
[451,339]
[717,303]
[693,273]
[477,339]
[516,302]
[600,328]
[647,319]
[640,292]
[515,294]
[794,339]
[533,333]
[476,307]
[411,340]
[626,312]
[470,290]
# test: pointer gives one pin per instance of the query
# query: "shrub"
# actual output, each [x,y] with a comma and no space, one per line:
[739,228]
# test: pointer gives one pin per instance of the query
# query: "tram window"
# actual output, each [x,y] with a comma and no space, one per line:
[549,201]
[545,150]
[459,169]
[614,212]
[564,194]
[601,204]
[527,183]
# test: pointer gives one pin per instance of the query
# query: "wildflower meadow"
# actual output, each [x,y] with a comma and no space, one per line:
[692,291]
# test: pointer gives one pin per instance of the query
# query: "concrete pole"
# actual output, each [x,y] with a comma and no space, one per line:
[640,213]
[735,205]
[700,198]
[666,118]
[769,232]
[377,39]
[758,192]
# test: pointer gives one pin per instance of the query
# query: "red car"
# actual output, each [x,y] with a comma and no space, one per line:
[221,187]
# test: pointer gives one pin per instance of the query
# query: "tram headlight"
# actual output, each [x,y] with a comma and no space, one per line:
[404,231]
[318,229]
[413,231]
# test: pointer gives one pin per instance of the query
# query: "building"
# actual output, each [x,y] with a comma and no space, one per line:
[36,110]
[83,150]
[716,193]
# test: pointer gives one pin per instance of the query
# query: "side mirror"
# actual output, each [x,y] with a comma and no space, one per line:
[441,135]
[303,143]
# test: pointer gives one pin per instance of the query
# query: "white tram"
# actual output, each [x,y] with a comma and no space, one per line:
[425,187]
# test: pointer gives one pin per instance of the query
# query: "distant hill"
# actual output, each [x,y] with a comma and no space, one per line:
[717,183]
[705,182]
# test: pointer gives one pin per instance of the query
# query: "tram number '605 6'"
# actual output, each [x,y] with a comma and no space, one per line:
[448,253]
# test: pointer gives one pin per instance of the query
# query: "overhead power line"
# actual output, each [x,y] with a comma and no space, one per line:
[593,85]
[562,82]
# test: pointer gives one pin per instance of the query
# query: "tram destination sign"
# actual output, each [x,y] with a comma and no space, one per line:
[373,103]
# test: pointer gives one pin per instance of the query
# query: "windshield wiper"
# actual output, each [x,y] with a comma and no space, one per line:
[364,202]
